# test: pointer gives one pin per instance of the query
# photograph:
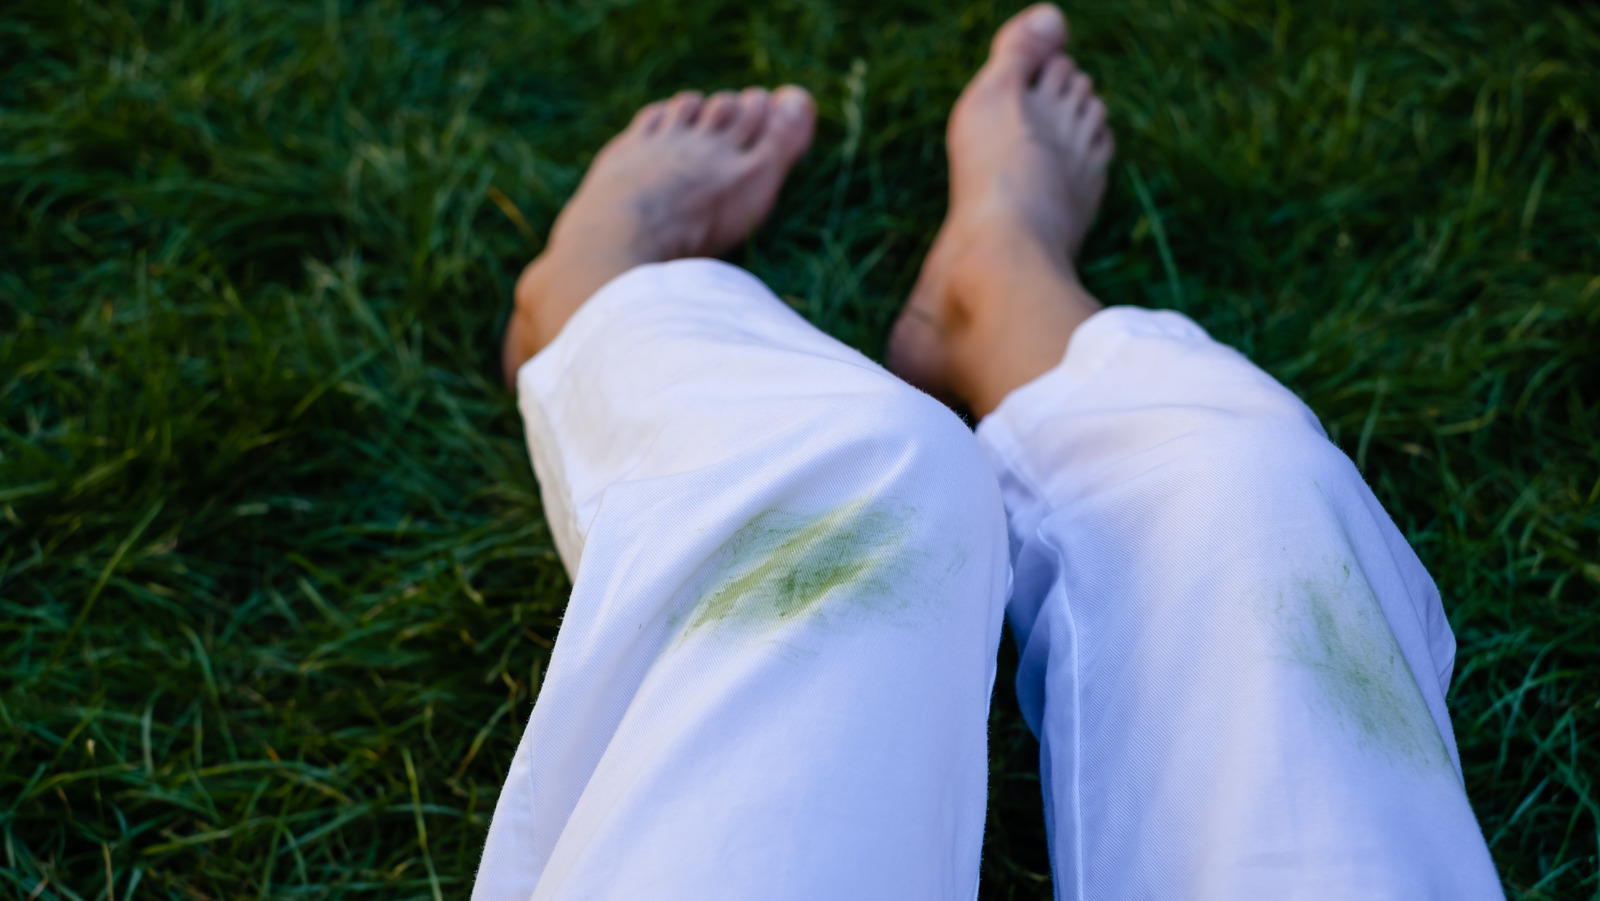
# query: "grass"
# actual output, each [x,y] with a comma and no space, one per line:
[275,590]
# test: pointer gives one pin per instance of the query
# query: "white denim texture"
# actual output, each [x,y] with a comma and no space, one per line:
[773,676]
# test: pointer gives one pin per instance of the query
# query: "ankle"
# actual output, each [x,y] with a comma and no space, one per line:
[557,282]
[538,300]
[1020,305]
[544,298]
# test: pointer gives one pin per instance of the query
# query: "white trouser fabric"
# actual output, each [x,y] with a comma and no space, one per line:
[1235,665]
[773,676]
[772,680]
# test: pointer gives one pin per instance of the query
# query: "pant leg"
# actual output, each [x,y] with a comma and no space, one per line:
[1235,665]
[772,679]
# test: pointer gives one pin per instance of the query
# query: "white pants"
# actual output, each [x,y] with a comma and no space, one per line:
[773,677]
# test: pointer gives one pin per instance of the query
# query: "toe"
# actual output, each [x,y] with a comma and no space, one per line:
[1053,79]
[1089,94]
[1025,42]
[649,117]
[683,108]
[1094,118]
[1080,132]
[719,111]
[787,131]
[1079,87]
[750,116]
[1102,147]
[759,171]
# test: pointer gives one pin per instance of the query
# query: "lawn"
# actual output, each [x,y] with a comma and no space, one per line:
[275,589]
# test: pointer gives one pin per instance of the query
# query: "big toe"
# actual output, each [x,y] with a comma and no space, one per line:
[1026,42]
[789,124]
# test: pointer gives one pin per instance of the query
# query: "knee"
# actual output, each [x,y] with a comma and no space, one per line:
[926,448]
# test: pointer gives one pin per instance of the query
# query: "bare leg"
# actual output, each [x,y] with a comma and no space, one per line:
[998,297]
[1235,665]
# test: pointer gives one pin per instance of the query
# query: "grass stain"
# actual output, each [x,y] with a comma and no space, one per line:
[783,566]
[1340,634]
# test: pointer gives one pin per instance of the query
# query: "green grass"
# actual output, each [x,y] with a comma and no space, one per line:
[275,590]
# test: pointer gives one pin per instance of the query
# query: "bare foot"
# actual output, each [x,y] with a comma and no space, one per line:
[998,296]
[691,176]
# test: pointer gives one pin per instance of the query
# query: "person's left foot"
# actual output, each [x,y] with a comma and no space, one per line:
[691,176]
[999,297]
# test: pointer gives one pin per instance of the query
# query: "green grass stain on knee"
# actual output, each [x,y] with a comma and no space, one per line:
[782,566]
[1340,634]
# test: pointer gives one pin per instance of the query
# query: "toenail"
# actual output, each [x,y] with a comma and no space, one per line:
[1046,22]
[791,103]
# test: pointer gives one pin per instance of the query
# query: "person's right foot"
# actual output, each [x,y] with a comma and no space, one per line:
[998,297]
[690,177]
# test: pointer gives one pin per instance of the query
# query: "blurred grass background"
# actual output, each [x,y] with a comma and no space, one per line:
[275,590]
